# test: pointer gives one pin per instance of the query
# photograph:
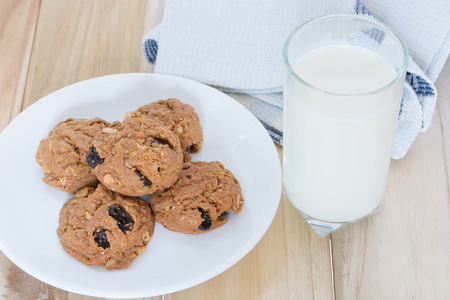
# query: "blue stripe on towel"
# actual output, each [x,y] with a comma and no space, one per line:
[420,86]
[360,9]
[374,33]
[276,135]
[150,49]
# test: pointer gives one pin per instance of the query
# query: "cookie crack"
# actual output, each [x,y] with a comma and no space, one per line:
[72,146]
[147,182]
[160,141]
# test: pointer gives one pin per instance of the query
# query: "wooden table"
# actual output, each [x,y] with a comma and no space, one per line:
[401,253]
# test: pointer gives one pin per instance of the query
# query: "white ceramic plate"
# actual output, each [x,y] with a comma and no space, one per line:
[173,261]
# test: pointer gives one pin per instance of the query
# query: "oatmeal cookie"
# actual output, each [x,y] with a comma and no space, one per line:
[102,228]
[138,157]
[200,200]
[179,117]
[62,156]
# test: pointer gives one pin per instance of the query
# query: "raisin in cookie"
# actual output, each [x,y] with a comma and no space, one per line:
[62,155]
[138,157]
[102,228]
[200,200]
[179,117]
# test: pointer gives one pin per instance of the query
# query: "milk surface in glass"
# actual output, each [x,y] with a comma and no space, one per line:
[338,135]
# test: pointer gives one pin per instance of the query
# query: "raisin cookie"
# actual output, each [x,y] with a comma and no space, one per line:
[200,200]
[138,157]
[179,117]
[62,156]
[102,228]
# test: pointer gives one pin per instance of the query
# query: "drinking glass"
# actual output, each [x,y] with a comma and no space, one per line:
[342,95]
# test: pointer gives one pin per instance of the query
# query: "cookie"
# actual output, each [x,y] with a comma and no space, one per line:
[62,156]
[102,228]
[200,200]
[179,117]
[138,157]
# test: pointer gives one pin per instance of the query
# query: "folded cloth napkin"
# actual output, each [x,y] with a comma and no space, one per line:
[236,47]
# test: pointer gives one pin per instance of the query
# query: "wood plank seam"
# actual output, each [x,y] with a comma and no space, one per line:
[330,240]
[446,151]
[18,104]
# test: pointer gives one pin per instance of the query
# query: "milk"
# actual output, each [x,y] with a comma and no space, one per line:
[337,148]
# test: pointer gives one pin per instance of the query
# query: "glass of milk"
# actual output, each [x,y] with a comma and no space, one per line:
[342,95]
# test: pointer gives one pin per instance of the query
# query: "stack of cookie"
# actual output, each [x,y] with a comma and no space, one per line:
[109,166]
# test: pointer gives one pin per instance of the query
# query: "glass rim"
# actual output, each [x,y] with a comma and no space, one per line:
[346,16]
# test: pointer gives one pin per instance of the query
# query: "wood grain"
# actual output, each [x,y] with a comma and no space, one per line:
[17,27]
[403,252]
[78,40]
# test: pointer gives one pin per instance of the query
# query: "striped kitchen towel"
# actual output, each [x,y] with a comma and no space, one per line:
[236,46]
